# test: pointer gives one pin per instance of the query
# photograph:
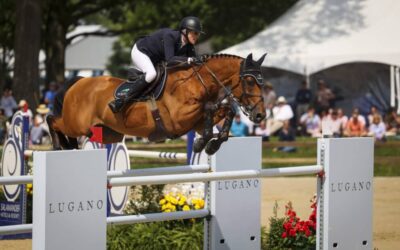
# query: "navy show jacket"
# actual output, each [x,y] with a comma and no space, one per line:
[165,45]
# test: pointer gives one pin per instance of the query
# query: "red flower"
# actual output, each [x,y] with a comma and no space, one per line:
[287,226]
[292,232]
[284,235]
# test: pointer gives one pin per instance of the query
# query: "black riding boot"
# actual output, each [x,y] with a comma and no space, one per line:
[135,91]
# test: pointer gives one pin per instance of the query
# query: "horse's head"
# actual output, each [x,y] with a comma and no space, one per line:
[250,91]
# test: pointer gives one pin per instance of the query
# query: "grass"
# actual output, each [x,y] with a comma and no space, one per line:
[387,155]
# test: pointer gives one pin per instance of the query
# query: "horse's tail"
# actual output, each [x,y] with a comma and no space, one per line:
[59,98]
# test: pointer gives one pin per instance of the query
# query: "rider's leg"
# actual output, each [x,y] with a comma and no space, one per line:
[143,63]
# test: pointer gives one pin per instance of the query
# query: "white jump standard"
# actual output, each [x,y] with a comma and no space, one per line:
[69,200]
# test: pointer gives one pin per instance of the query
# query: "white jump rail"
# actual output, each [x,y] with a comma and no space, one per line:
[14,180]
[157,154]
[204,177]
[142,153]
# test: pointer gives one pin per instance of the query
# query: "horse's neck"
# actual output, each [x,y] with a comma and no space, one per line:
[224,69]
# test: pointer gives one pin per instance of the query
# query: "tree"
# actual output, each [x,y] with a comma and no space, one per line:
[7,28]
[59,18]
[27,46]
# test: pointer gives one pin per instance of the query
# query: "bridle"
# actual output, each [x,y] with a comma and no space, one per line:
[252,72]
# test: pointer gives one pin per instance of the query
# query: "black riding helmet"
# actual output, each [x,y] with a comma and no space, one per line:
[191,23]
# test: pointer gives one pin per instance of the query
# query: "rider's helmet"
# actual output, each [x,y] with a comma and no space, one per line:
[191,23]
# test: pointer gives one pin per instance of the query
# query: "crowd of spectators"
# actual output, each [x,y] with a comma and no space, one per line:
[39,131]
[315,115]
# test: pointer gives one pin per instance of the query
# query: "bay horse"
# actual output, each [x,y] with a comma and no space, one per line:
[191,99]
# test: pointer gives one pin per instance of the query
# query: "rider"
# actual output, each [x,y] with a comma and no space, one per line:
[163,45]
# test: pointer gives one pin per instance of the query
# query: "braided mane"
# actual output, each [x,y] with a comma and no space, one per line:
[212,56]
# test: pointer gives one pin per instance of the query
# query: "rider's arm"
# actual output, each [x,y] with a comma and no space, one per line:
[169,50]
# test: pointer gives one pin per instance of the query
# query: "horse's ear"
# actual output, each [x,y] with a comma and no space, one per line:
[250,57]
[260,61]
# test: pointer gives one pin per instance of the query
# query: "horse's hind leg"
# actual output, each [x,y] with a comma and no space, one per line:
[58,139]
[55,140]
[73,143]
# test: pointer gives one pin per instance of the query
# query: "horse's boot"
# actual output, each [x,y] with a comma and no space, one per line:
[135,91]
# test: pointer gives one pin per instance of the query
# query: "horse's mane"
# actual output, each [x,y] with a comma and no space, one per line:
[214,56]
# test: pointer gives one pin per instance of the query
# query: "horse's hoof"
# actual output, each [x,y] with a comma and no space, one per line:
[198,145]
[213,146]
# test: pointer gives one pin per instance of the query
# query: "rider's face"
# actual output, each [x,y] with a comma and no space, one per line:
[193,36]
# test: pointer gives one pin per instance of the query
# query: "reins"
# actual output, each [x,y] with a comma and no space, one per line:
[228,92]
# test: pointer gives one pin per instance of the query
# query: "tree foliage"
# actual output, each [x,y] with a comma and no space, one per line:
[226,22]
[7,27]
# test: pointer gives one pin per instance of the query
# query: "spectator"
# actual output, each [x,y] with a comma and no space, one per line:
[24,107]
[303,99]
[246,120]
[377,128]
[286,133]
[280,113]
[262,131]
[360,117]
[8,103]
[331,125]
[269,96]
[42,111]
[343,119]
[3,125]
[310,123]
[373,111]
[37,131]
[392,121]
[324,97]
[50,95]
[354,127]
[239,128]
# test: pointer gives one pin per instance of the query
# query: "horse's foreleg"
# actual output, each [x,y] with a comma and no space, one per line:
[214,144]
[207,135]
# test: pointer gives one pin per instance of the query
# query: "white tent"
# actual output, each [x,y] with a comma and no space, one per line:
[315,35]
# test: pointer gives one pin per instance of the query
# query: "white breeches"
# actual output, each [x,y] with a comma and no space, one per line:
[143,63]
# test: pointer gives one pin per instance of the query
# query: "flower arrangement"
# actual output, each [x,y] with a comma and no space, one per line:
[290,232]
[178,202]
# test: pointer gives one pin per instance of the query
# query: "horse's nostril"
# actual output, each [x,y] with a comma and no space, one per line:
[259,117]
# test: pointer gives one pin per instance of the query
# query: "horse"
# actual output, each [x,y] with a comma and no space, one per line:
[194,98]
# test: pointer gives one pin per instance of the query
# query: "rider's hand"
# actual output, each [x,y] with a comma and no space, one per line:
[195,60]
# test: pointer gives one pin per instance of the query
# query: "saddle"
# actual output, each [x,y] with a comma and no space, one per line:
[154,90]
